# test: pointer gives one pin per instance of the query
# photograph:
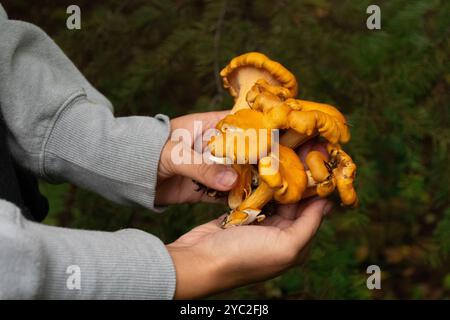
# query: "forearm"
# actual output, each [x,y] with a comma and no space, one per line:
[114,157]
[62,129]
[128,264]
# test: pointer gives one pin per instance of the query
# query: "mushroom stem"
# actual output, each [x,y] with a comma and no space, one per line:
[259,198]
[244,80]
[243,186]
[264,194]
[293,139]
[311,181]
[309,192]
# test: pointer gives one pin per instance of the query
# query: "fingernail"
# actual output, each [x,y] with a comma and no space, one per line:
[227,177]
[327,208]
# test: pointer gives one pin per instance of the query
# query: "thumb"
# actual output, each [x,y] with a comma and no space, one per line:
[217,176]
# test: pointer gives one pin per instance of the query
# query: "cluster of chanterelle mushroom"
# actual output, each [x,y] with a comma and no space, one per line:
[264,94]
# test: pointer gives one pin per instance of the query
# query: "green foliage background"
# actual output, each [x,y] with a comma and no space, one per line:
[153,57]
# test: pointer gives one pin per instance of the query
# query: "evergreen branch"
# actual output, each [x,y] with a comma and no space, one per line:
[217,36]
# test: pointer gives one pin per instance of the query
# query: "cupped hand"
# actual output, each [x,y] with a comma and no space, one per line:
[209,259]
[175,183]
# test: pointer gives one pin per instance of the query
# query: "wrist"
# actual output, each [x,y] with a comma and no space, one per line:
[165,167]
[197,275]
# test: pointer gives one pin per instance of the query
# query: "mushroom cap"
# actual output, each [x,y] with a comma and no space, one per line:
[345,175]
[260,61]
[290,181]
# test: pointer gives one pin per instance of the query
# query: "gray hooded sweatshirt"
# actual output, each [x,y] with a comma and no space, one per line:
[62,129]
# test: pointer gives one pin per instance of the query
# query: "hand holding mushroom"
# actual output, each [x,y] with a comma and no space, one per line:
[264,94]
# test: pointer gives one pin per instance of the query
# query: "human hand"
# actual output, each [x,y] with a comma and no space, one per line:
[209,259]
[175,183]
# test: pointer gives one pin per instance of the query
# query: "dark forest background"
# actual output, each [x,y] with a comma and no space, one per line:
[393,84]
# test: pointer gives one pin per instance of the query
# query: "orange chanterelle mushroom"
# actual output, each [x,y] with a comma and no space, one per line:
[264,94]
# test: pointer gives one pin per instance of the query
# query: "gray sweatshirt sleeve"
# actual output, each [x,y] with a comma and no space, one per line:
[43,262]
[63,129]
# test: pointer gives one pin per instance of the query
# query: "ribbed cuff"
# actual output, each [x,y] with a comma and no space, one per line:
[127,264]
[44,262]
[3,12]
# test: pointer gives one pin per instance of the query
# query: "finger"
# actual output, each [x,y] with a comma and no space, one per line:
[304,204]
[306,225]
[312,145]
[208,119]
[292,211]
[198,194]
[186,191]
[321,147]
[288,211]
[212,118]
[216,176]
[276,221]
[304,149]
[304,253]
